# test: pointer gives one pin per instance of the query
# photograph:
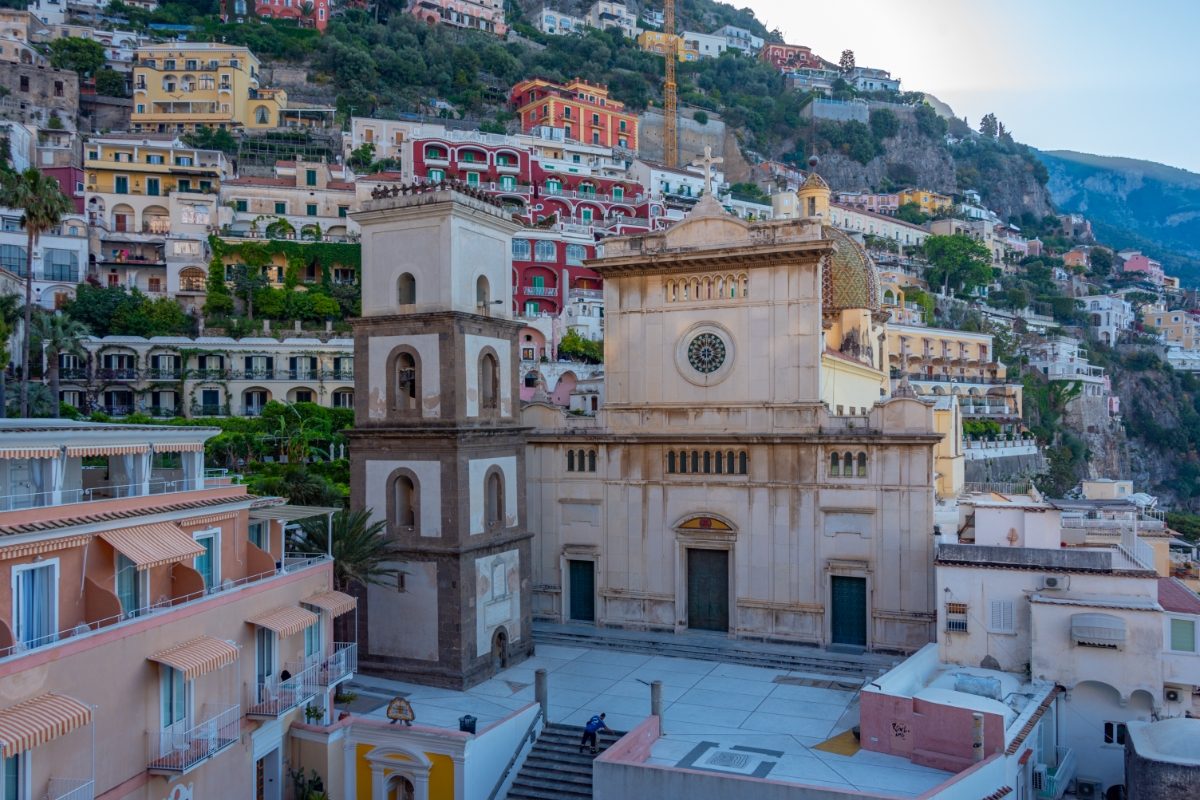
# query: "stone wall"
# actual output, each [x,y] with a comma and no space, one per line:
[1004,469]
[98,114]
[693,137]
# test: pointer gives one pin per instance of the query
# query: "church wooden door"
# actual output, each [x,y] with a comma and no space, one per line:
[583,591]
[708,589]
[849,622]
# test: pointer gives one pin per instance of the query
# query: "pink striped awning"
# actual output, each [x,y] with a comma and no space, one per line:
[107,450]
[42,546]
[197,656]
[39,720]
[286,621]
[208,519]
[153,545]
[179,447]
[31,452]
[336,603]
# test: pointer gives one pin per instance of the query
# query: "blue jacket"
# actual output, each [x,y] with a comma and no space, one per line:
[594,724]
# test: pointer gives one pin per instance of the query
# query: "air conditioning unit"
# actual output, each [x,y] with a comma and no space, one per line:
[1039,777]
[1089,789]
[1055,582]
[1172,695]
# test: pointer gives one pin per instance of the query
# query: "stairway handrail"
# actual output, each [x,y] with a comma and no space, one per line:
[528,735]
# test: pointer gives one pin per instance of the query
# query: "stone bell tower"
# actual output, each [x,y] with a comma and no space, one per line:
[437,451]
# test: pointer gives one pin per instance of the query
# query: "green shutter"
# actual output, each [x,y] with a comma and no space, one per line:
[1183,635]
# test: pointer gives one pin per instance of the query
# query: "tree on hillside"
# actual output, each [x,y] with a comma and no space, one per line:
[912,213]
[58,334]
[957,262]
[84,56]
[884,123]
[207,138]
[989,125]
[248,276]
[846,62]
[110,83]
[42,205]
[1101,261]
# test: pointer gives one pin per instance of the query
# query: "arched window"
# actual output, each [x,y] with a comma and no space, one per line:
[847,465]
[670,461]
[494,499]
[834,465]
[729,462]
[489,384]
[262,116]
[483,293]
[707,462]
[732,287]
[862,465]
[570,461]
[405,502]
[745,287]
[407,379]
[683,462]
[695,461]
[743,462]
[531,379]
[406,290]
[720,465]
[591,460]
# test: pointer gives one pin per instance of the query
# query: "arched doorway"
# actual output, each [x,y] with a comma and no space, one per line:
[500,649]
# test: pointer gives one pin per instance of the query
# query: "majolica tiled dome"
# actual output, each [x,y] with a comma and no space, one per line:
[848,279]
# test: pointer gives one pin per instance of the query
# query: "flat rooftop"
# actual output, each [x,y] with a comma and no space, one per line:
[721,717]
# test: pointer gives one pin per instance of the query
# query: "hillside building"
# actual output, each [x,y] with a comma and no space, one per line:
[303,200]
[929,202]
[789,57]
[704,45]
[558,23]
[582,111]
[181,86]
[740,39]
[311,13]
[60,257]
[605,14]
[476,15]
[1178,327]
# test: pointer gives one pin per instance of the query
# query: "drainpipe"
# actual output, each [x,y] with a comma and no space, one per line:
[977,737]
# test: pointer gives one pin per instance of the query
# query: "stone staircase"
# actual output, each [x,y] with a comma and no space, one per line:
[555,769]
[852,667]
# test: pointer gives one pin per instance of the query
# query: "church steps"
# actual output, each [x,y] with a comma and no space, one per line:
[852,667]
[555,769]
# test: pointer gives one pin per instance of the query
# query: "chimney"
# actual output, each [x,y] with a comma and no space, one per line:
[977,737]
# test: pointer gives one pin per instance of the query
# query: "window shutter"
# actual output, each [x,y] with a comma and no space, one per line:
[1002,616]
[1183,635]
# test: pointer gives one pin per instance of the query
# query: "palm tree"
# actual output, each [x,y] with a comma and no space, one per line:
[42,205]
[60,335]
[361,550]
[8,320]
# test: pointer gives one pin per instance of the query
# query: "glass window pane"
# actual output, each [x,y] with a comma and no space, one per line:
[1183,635]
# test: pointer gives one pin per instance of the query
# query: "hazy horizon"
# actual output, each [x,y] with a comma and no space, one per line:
[1092,76]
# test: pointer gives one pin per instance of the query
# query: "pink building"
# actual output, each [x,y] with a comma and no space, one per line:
[1137,263]
[870,201]
[479,15]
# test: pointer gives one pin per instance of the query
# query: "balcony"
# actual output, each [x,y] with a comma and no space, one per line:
[332,670]
[1051,782]
[70,789]
[116,374]
[163,374]
[587,294]
[182,751]
[540,291]
[116,409]
[209,410]
[274,698]
[301,375]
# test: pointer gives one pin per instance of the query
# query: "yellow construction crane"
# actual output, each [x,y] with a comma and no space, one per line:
[670,100]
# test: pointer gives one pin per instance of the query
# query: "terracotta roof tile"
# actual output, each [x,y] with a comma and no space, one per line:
[1015,745]
[109,516]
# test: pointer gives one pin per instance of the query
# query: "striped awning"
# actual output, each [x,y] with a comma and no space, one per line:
[153,545]
[208,519]
[39,720]
[107,450]
[42,546]
[198,656]
[179,447]
[31,452]
[336,603]
[285,621]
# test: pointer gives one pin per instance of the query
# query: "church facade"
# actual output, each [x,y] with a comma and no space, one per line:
[749,472]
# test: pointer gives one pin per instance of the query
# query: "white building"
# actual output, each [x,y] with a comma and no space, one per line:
[1108,315]
[869,224]
[705,45]
[558,23]
[613,14]
[867,79]
[1062,358]
[674,185]
[60,257]
[739,39]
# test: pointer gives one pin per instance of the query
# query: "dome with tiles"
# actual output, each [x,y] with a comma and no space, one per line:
[848,278]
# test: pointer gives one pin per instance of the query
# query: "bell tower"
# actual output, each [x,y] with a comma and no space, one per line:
[437,451]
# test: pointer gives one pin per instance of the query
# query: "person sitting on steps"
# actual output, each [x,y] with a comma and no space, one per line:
[594,726]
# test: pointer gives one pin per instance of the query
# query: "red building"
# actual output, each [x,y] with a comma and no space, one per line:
[787,57]
[582,111]
[70,180]
[314,13]
[548,268]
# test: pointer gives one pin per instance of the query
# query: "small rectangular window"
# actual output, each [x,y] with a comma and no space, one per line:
[240,205]
[281,208]
[311,209]
[956,617]
[1183,635]
[1114,733]
[1001,617]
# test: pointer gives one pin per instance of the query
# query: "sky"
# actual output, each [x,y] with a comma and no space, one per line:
[1097,76]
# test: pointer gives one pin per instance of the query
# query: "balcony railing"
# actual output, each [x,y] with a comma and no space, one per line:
[117,374]
[1052,784]
[163,374]
[70,789]
[591,294]
[178,752]
[210,410]
[274,698]
[332,670]
[540,291]
[106,492]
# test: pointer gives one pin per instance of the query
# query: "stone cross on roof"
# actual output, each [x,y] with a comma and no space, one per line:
[708,164]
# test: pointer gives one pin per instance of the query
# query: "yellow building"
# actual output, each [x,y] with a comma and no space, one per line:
[927,200]
[1175,327]
[180,86]
[663,43]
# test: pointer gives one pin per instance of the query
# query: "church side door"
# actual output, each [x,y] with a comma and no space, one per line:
[583,591]
[849,622]
[708,589]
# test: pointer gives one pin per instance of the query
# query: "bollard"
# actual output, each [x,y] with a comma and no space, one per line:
[656,708]
[541,693]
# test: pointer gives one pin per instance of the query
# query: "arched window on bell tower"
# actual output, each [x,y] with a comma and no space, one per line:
[493,493]
[489,384]
[405,503]
[406,383]
[483,294]
[406,290]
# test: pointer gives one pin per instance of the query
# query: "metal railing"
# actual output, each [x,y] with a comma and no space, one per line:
[180,751]
[61,497]
[274,698]
[1112,524]
[293,563]
[540,291]
[163,374]
[324,672]
[210,410]
[70,789]
[1053,783]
